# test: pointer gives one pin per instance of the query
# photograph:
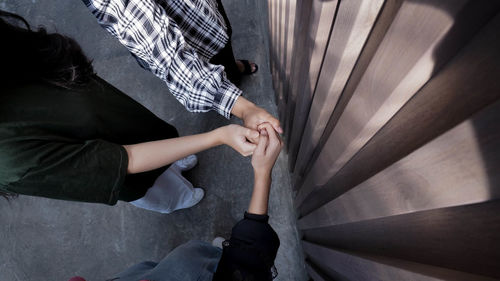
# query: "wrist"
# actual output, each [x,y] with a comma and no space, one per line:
[218,136]
[262,175]
[242,106]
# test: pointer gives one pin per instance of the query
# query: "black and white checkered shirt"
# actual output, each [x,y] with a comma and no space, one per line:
[174,39]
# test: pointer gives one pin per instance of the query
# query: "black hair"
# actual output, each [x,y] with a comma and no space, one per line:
[28,56]
[38,56]
[7,195]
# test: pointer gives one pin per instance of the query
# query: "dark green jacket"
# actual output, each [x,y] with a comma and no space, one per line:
[67,144]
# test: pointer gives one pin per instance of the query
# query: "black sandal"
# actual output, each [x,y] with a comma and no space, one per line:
[248,67]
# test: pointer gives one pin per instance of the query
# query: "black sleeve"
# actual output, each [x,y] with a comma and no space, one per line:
[255,217]
[250,251]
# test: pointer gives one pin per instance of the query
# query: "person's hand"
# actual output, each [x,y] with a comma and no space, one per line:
[253,116]
[267,150]
[238,137]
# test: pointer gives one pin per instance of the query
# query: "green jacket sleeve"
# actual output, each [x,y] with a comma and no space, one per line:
[88,171]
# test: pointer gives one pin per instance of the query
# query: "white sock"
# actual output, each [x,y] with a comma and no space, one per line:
[170,192]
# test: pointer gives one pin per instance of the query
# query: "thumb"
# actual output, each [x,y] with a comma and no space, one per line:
[261,147]
[251,134]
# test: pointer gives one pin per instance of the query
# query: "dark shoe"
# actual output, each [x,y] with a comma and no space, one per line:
[248,67]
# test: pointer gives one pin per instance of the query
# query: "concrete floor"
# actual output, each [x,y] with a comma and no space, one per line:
[44,239]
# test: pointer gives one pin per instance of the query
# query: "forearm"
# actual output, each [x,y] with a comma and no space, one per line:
[155,154]
[240,106]
[260,195]
[253,116]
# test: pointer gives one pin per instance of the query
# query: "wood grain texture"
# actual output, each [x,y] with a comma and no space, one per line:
[464,238]
[448,171]
[302,15]
[280,75]
[324,272]
[281,44]
[313,41]
[353,24]
[384,20]
[321,23]
[403,63]
[274,46]
[359,267]
[464,86]
[314,274]
[290,22]
[393,131]
[282,92]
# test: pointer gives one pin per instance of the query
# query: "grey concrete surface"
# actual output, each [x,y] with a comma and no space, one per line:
[45,239]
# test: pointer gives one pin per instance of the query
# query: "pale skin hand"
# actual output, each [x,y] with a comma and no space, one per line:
[263,160]
[148,156]
[253,116]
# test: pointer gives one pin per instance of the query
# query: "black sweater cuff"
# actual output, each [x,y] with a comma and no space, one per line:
[255,217]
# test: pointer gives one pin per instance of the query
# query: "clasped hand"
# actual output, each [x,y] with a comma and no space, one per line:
[239,137]
[245,140]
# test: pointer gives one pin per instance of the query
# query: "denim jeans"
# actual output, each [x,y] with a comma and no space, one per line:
[194,260]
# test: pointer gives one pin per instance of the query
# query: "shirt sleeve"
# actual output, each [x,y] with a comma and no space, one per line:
[159,46]
[91,171]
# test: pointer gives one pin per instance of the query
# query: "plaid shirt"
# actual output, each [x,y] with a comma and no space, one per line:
[174,39]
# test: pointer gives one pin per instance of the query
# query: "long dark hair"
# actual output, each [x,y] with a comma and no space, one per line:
[38,56]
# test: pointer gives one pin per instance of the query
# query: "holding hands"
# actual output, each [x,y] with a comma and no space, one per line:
[241,139]
[253,116]
[256,119]
[267,150]
[238,138]
[155,154]
[263,160]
